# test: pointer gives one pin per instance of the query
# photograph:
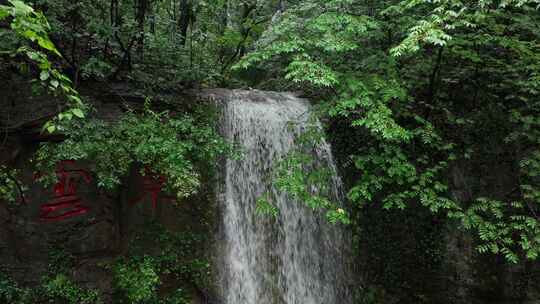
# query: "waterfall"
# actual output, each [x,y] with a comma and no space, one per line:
[297,257]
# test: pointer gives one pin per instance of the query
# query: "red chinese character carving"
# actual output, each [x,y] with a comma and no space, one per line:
[65,195]
[152,184]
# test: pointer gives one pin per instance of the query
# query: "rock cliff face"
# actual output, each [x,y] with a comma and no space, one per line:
[96,228]
[474,278]
[392,257]
[412,256]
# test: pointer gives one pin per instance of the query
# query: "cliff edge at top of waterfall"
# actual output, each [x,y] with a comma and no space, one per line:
[253,95]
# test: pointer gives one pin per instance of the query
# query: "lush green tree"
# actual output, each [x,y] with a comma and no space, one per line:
[418,95]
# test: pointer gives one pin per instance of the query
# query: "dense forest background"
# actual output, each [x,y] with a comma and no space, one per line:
[432,108]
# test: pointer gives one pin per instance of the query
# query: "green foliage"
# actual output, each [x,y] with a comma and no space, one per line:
[156,44]
[373,96]
[405,104]
[370,295]
[264,207]
[10,292]
[179,296]
[59,261]
[28,24]
[61,289]
[181,255]
[290,177]
[446,17]
[300,176]
[10,187]
[178,257]
[32,26]
[330,31]
[169,146]
[391,168]
[58,287]
[501,231]
[55,288]
[137,279]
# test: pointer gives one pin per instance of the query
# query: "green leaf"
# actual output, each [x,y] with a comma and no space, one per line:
[78,112]
[21,8]
[44,75]
[47,44]
[3,12]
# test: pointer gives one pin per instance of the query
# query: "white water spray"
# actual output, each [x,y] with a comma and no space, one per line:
[298,257]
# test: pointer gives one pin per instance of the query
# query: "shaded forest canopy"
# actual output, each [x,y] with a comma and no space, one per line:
[432,107]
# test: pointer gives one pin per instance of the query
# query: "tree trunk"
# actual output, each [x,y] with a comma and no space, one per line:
[142,8]
[186,14]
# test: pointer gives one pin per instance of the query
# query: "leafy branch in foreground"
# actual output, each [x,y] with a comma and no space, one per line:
[175,147]
[31,26]
[446,17]
[301,175]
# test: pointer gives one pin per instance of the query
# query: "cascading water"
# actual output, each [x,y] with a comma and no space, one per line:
[298,257]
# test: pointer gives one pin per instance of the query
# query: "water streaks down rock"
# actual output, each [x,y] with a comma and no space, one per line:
[298,256]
